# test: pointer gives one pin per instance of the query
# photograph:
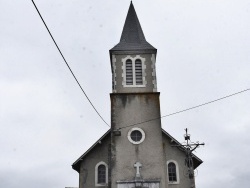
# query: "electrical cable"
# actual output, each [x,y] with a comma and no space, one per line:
[69,66]
[174,113]
[187,109]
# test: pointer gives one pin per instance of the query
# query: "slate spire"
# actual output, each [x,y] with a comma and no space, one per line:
[132,37]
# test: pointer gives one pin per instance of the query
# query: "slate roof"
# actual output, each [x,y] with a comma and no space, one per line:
[76,165]
[132,37]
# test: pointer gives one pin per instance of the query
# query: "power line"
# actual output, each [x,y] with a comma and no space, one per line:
[181,111]
[69,66]
[187,109]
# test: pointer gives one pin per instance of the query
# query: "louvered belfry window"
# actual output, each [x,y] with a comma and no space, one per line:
[101,174]
[129,72]
[134,74]
[138,72]
[172,172]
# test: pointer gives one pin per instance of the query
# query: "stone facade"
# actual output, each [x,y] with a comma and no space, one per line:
[128,109]
[101,152]
[135,152]
[119,85]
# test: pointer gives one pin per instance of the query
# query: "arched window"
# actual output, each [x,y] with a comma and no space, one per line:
[129,72]
[101,174]
[134,74]
[138,72]
[101,178]
[173,172]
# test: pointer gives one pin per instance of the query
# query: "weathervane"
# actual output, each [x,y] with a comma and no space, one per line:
[189,147]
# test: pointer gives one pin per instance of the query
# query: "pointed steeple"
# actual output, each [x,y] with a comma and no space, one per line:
[132,37]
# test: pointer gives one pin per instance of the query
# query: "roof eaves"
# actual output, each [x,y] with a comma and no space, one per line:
[74,165]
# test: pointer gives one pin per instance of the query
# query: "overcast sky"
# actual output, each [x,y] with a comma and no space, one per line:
[46,123]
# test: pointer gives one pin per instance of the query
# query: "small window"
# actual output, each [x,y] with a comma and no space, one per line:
[101,174]
[136,135]
[172,172]
[134,74]
[129,72]
[138,72]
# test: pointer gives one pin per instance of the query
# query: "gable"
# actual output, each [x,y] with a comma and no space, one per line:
[92,150]
[76,165]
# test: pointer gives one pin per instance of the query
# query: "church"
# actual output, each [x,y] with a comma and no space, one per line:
[135,151]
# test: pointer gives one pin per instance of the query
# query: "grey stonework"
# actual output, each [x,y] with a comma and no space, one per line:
[118,71]
[174,153]
[128,109]
[100,152]
[129,162]
[88,162]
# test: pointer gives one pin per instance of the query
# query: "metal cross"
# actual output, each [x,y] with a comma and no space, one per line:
[189,147]
[138,165]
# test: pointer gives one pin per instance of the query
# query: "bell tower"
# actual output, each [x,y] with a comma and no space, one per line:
[137,151]
[133,59]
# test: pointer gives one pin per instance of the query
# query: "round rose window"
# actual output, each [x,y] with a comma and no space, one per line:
[136,135]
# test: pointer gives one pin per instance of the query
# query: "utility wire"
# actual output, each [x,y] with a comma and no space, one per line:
[69,66]
[177,112]
[187,109]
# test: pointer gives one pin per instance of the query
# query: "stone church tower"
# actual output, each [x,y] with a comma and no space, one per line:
[136,151]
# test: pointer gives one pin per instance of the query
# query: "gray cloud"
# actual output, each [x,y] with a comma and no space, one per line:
[45,121]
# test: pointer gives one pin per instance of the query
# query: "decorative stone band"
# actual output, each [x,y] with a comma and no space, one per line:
[114,73]
[154,73]
[138,183]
